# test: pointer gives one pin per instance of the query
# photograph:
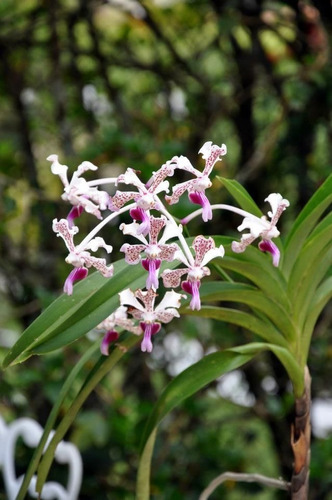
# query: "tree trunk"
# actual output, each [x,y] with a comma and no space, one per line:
[300,441]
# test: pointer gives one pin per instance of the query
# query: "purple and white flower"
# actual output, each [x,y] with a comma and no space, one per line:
[79,256]
[79,192]
[120,319]
[142,307]
[264,228]
[211,153]
[155,251]
[205,251]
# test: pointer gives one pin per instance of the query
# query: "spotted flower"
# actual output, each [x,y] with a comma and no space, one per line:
[79,192]
[155,251]
[264,228]
[142,307]
[205,250]
[120,319]
[79,256]
[145,196]
[196,187]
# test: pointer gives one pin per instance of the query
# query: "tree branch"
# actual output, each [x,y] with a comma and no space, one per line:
[245,478]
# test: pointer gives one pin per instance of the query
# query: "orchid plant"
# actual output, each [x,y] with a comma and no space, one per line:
[170,277]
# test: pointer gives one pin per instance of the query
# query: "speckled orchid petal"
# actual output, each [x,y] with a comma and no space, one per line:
[211,154]
[202,245]
[132,253]
[172,278]
[66,232]
[120,199]
[167,252]
[99,264]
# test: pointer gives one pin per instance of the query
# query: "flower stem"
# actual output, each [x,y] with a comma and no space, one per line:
[103,223]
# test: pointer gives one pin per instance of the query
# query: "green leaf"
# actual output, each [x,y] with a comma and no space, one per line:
[64,393]
[263,329]
[255,266]
[294,370]
[102,368]
[314,260]
[181,387]
[305,222]
[321,297]
[249,295]
[241,195]
[70,317]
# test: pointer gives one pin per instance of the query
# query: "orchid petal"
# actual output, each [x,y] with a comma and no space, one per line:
[133,229]
[109,337]
[58,169]
[127,297]
[97,243]
[269,246]
[170,299]
[212,254]
[77,274]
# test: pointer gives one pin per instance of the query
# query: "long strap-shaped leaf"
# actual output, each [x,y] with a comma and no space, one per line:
[69,318]
[192,380]
[66,390]
[102,368]
[249,295]
[310,268]
[181,387]
[66,311]
[305,222]
[257,268]
[321,297]
[241,195]
[263,329]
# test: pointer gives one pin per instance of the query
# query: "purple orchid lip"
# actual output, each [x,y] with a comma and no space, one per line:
[149,329]
[192,287]
[109,337]
[77,274]
[201,199]
[152,266]
[74,213]
[269,246]
[140,215]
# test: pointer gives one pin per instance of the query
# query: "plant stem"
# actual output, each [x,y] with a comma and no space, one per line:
[246,478]
[300,441]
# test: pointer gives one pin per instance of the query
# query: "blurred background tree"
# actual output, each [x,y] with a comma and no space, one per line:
[127,83]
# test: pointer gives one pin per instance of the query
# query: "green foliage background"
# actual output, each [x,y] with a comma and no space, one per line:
[131,84]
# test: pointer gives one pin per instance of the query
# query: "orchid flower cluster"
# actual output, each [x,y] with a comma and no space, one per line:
[159,238]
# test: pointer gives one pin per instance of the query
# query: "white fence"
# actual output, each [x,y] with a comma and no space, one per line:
[66,453]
